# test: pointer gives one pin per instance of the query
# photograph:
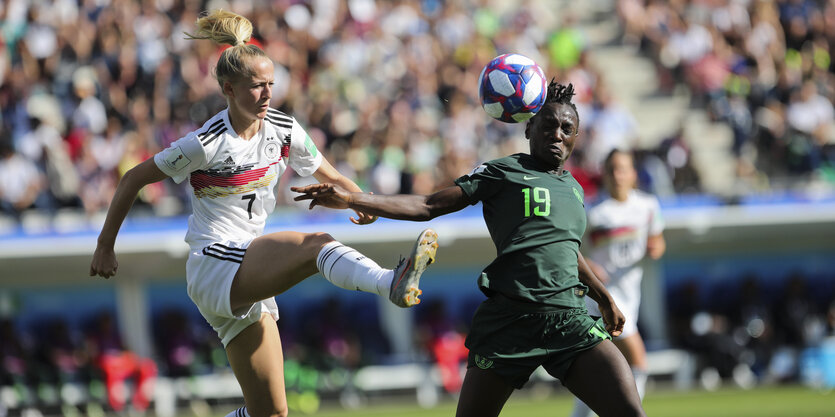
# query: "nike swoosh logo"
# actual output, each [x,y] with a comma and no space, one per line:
[525,177]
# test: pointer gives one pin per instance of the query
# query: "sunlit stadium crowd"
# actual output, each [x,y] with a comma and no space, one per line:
[388,89]
[763,67]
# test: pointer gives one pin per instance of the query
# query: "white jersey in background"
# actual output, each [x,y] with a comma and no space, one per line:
[233,179]
[618,233]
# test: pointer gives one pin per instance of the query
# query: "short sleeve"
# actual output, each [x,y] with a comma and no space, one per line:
[183,157]
[656,223]
[482,183]
[304,158]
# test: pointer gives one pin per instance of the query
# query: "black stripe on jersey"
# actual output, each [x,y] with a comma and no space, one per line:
[209,130]
[277,123]
[278,115]
[216,135]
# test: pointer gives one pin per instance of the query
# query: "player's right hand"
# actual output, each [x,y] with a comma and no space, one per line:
[613,318]
[324,194]
[104,262]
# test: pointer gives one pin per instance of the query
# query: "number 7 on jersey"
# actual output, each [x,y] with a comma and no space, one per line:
[251,198]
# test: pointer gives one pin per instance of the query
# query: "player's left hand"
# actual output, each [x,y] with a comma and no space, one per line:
[613,318]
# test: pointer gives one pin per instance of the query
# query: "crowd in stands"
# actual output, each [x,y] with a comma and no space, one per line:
[764,67]
[386,89]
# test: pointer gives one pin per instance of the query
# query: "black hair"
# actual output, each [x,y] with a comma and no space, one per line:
[561,94]
[608,164]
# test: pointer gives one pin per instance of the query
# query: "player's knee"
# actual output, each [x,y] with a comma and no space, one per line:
[316,240]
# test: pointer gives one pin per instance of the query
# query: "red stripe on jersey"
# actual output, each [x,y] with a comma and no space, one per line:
[598,234]
[202,179]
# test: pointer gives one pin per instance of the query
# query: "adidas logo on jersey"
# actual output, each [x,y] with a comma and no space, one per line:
[229,161]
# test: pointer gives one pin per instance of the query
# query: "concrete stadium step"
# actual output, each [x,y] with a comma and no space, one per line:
[710,144]
[633,81]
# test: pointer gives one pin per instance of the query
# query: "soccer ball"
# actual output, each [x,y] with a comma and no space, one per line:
[512,88]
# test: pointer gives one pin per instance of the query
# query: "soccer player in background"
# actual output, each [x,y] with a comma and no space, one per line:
[233,163]
[624,228]
[535,313]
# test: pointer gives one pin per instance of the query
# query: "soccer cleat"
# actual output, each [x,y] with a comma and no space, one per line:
[404,285]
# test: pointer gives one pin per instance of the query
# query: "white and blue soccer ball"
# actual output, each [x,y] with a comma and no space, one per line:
[512,88]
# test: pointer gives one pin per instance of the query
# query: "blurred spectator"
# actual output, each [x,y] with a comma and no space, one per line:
[443,337]
[117,365]
[612,127]
[45,147]
[21,184]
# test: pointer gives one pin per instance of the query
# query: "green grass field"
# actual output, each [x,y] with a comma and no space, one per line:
[762,402]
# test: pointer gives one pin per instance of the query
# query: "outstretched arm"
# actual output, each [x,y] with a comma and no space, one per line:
[104,259]
[401,207]
[328,174]
[612,315]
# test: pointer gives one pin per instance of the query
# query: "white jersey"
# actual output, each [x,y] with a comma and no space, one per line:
[618,233]
[233,180]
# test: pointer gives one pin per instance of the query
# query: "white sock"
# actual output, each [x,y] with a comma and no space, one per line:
[640,376]
[346,268]
[241,412]
[581,409]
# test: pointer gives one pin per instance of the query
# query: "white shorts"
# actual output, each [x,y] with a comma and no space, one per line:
[628,300]
[209,275]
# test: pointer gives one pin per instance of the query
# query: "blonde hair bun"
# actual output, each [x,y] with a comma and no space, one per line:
[223,27]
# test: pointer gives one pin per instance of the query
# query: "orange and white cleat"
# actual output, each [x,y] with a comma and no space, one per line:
[404,286]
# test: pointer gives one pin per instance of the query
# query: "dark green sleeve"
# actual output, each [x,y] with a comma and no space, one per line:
[482,183]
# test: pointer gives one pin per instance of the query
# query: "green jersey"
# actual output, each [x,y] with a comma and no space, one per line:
[536,220]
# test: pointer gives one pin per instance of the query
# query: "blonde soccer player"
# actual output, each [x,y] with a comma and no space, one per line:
[233,271]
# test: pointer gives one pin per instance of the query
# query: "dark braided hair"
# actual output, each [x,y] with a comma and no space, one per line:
[561,94]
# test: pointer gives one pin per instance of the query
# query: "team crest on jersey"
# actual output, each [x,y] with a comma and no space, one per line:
[271,150]
[483,362]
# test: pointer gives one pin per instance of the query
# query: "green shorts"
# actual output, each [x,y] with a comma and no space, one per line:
[512,338]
